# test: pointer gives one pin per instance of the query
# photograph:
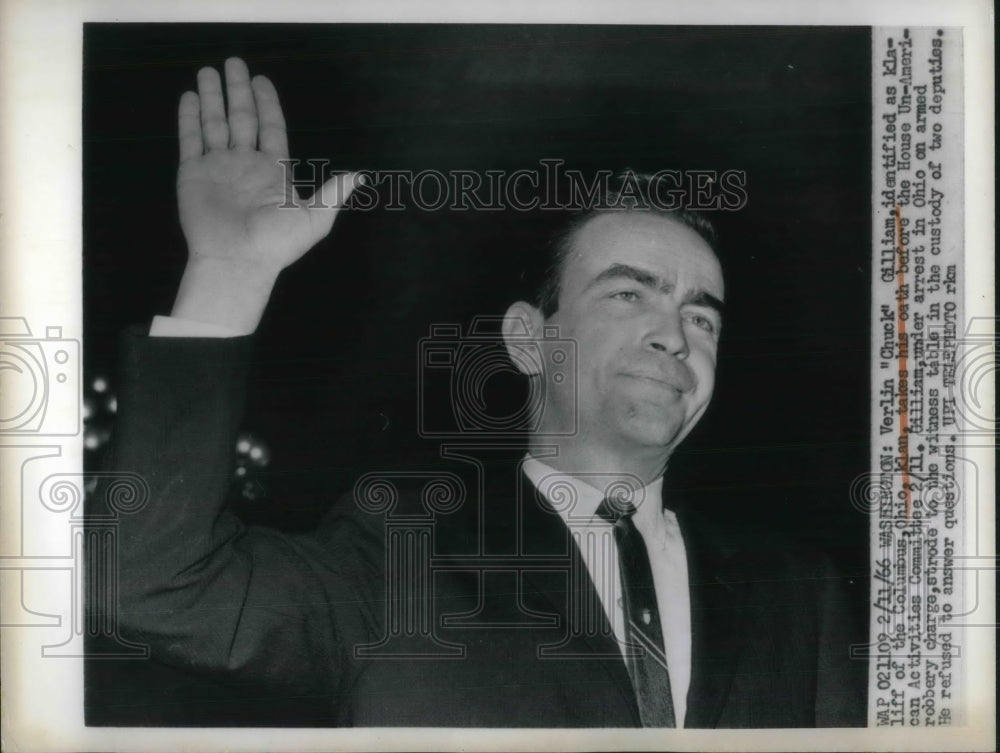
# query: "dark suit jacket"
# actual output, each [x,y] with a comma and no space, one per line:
[342,616]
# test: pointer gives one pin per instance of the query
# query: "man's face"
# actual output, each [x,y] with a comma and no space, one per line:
[641,295]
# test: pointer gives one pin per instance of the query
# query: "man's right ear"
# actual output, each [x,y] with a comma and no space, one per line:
[522,327]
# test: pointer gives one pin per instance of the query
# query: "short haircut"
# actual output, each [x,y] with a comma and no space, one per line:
[618,195]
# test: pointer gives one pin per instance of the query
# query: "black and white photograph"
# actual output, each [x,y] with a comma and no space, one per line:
[510,375]
[576,261]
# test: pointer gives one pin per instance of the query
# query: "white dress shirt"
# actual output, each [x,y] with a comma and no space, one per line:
[667,558]
[174,326]
[657,525]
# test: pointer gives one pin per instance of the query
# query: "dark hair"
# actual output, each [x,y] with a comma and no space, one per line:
[624,192]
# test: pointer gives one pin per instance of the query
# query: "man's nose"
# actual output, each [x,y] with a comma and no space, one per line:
[667,336]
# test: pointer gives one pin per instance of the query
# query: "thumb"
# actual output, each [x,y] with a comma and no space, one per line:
[331,196]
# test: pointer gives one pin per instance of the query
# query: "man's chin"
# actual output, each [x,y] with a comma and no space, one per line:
[649,431]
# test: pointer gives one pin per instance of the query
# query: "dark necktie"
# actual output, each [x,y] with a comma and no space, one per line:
[648,667]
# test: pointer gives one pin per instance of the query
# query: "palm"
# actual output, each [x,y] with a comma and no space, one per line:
[239,205]
[242,218]
[236,203]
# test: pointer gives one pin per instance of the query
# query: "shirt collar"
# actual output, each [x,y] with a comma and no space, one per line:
[577,497]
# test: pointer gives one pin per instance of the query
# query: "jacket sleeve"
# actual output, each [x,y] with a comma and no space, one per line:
[201,589]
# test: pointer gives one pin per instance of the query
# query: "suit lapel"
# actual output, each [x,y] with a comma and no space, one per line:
[545,534]
[716,617]
[717,608]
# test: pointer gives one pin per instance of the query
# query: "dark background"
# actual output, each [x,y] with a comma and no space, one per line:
[335,390]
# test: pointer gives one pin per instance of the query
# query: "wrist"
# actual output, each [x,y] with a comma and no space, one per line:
[224,292]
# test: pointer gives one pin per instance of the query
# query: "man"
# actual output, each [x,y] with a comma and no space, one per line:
[607,610]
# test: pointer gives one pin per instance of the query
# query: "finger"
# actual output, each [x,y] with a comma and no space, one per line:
[332,195]
[272,136]
[242,110]
[189,126]
[214,129]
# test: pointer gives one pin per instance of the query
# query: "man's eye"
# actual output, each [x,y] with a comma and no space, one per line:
[626,295]
[703,322]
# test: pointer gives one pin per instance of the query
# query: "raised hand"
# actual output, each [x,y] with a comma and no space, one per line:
[243,220]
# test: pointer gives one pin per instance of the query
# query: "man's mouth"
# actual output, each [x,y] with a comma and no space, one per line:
[660,380]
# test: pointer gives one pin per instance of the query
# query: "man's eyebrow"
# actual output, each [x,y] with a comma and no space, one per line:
[704,298]
[649,280]
[626,271]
